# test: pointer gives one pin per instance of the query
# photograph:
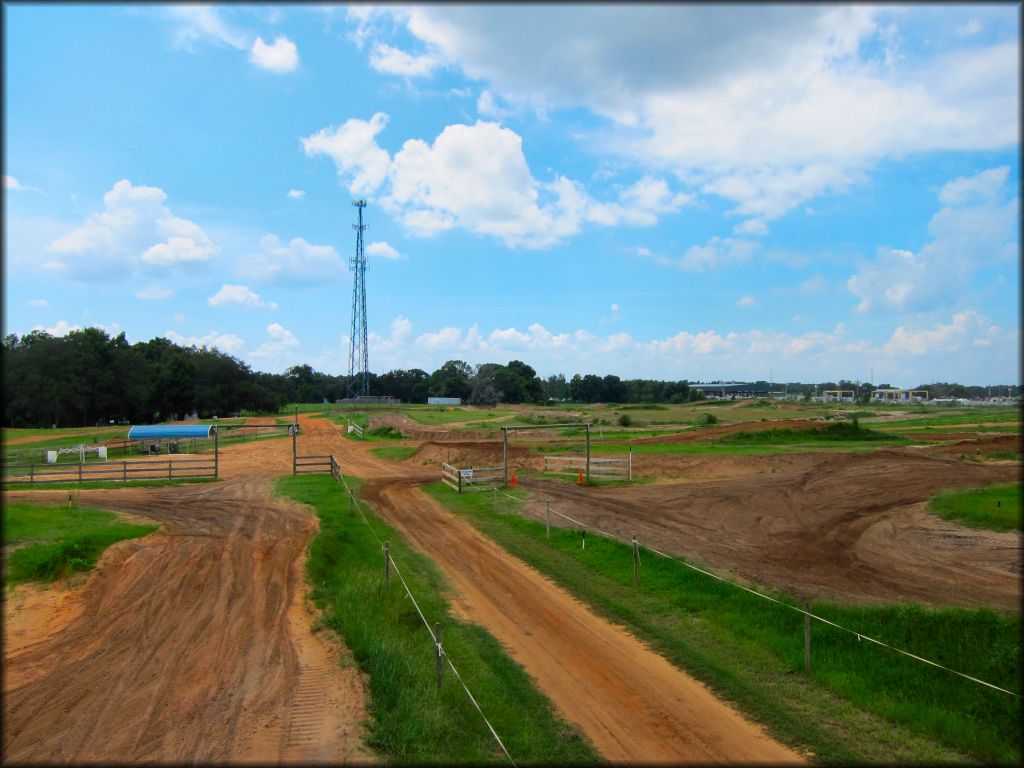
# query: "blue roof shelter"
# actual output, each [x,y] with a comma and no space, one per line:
[180,432]
[170,431]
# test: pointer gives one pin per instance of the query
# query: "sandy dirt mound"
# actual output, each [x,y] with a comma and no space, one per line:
[192,644]
[847,526]
[631,703]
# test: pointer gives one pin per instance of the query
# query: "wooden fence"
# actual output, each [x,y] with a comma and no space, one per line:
[471,478]
[317,465]
[123,471]
[614,468]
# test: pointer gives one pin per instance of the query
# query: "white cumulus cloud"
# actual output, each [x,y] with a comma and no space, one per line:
[475,177]
[61,328]
[354,151]
[228,343]
[134,231]
[237,295]
[296,194]
[394,61]
[281,350]
[37,303]
[383,250]
[767,106]
[279,56]
[977,226]
[295,263]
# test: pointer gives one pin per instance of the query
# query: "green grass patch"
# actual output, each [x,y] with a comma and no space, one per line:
[436,415]
[839,431]
[976,416]
[1002,455]
[861,703]
[50,542]
[411,720]
[996,508]
[393,453]
[720,448]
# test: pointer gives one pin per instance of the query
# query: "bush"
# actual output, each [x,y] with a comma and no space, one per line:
[708,419]
[625,420]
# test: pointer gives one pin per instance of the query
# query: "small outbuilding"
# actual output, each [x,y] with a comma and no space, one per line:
[444,401]
[176,437]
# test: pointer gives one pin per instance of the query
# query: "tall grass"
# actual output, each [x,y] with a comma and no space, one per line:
[861,702]
[413,721]
[52,542]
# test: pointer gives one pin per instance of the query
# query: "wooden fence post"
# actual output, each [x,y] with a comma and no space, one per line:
[294,449]
[79,472]
[440,669]
[588,453]
[124,471]
[807,638]
[636,562]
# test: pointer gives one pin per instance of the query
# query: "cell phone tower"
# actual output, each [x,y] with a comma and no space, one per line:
[358,366]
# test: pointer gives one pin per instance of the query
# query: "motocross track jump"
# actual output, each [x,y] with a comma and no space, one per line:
[194,643]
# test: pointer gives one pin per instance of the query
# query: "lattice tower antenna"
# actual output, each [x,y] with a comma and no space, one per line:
[358,366]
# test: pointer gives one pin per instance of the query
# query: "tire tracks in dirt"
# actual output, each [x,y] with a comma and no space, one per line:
[631,703]
[192,644]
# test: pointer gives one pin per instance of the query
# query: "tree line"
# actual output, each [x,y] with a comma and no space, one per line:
[88,377]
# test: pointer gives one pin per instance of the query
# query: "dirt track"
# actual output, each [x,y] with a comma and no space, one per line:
[191,645]
[634,705]
[842,525]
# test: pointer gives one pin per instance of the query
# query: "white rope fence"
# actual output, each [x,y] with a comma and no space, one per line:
[441,650]
[858,635]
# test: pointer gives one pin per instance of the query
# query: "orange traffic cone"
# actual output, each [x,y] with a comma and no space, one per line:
[580,481]
[512,482]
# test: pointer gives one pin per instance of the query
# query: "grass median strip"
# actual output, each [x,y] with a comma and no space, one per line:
[50,542]
[861,703]
[394,453]
[413,721]
[996,507]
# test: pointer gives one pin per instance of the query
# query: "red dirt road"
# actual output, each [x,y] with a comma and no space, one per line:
[632,704]
[190,645]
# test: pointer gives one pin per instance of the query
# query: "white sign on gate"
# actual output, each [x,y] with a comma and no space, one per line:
[467,474]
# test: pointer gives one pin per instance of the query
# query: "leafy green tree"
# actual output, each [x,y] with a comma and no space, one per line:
[451,380]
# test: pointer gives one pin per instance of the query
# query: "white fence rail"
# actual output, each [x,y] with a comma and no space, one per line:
[471,478]
[620,468]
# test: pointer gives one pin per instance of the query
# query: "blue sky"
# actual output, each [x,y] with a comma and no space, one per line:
[665,191]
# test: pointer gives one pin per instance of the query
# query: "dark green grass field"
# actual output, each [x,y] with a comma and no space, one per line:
[412,721]
[50,542]
[861,702]
[996,507]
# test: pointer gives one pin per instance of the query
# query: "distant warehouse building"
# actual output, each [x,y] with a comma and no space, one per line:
[444,401]
[893,395]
